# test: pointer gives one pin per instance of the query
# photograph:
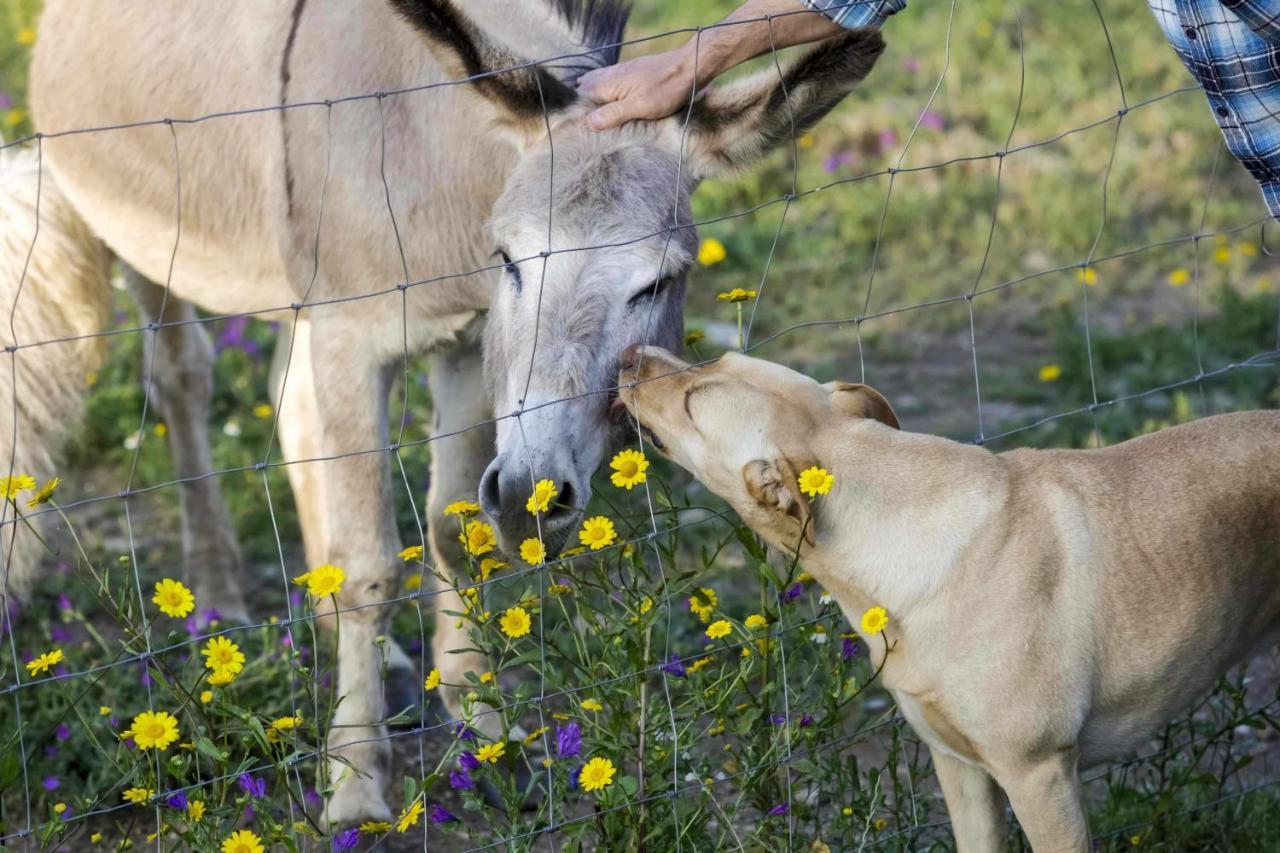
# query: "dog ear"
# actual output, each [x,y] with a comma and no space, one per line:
[861,401]
[737,124]
[776,488]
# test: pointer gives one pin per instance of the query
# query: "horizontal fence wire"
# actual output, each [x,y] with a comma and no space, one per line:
[700,517]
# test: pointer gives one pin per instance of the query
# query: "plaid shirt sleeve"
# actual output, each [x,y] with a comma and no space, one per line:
[857,13]
[1233,48]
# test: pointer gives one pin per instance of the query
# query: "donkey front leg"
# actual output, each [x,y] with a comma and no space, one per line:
[182,385]
[461,448]
[357,527]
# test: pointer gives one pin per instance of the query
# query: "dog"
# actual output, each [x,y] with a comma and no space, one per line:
[1047,608]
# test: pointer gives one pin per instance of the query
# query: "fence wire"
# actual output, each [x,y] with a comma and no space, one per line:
[142,650]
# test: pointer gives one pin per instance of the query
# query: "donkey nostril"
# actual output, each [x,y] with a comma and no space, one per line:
[565,503]
[490,493]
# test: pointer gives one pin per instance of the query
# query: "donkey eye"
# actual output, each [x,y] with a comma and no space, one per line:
[512,270]
[650,291]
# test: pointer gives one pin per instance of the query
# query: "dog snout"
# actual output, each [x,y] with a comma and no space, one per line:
[640,361]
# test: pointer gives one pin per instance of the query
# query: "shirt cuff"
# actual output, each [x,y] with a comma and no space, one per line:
[857,13]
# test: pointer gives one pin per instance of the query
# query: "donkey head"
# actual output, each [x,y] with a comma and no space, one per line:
[594,229]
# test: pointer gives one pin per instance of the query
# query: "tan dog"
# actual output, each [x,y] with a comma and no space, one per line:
[1048,609]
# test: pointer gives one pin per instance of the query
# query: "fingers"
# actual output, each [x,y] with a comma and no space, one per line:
[613,115]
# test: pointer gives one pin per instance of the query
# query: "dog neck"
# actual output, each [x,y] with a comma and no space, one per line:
[900,516]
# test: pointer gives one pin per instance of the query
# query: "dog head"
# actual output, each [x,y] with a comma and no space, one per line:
[745,428]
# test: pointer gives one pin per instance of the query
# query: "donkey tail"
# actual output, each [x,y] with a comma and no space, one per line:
[54,296]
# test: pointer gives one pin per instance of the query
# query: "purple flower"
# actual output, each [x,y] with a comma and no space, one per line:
[931,120]
[253,787]
[463,732]
[838,161]
[573,778]
[568,740]
[438,814]
[51,783]
[674,666]
[849,648]
[460,780]
[249,814]
[62,732]
[64,603]
[806,721]
[145,678]
[888,138]
[779,810]
[910,65]
[295,598]
[51,751]
[6,100]
[792,593]
[467,761]
[778,719]
[312,797]
[347,839]
[177,801]
[59,634]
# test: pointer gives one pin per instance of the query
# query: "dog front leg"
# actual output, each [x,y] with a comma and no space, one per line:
[1047,801]
[975,803]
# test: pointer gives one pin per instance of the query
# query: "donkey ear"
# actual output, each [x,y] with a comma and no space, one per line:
[737,124]
[775,488]
[523,96]
[861,401]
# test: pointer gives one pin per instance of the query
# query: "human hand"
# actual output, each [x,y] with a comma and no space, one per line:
[648,87]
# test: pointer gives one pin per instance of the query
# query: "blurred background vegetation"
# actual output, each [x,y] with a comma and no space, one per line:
[1117,211]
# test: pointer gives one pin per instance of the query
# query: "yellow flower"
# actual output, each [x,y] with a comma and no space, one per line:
[10,486]
[486,678]
[533,552]
[478,538]
[746,653]
[1050,373]
[433,680]
[95,838]
[161,429]
[206,696]
[242,841]
[286,724]
[756,622]
[516,622]
[45,662]
[46,492]
[413,552]
[544,492]
[1087,275]
[1179,277]
[409,817]
[222,655]
[874,621]
[573,552]
[1248,249]
[806,140]
[173,598]
[195,811]
[154,730]
[413,583]
[719,629]
[597,533]
[559,589]
[816,481]
[491,752]
[462,509]
[488,566]
[736,295]
[703,602]
[262,411]
[596,774]
[1135,840]
[646,604]
[322,581]
[819,847]
[14,117]
[26,37]
[1222,255]
[104,710]
[59,808]
[847,811]
[138,796]
[222,677]
[693,337]
[629,468]
[711,252]
[592,705]
[532,737]
[375,826]
[881,823]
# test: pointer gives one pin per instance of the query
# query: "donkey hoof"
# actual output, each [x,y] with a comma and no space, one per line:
[356,800]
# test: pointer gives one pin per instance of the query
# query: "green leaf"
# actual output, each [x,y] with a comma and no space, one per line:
[206,746]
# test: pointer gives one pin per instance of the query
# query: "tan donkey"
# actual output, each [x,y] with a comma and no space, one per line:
[1048,608]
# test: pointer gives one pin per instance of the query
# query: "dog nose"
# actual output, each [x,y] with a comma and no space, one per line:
[631,356]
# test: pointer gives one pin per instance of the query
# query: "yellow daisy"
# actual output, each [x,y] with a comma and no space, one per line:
[533,552]
[138,796]
[375,826]
[558,589]
[737,295]
[597,533]
[719,629]
[195,811]
[874,620]
[323,581]
[44,662]
[516,622]
[206,696]
[154,730]
[223,677]
[222,655]
[711,252]
[1087,275]
[409,817]
[597,774]
[173,598]
[629,468]
[413,552]
[44,494]
[756,622]
[491,752]
[242,841]
[462,509]
[433,679]
[816,481]
[478,538]
[592,705]
[544,492]
[1050,373]
[488,566]
[703,602]
[11,486]
[1179,277]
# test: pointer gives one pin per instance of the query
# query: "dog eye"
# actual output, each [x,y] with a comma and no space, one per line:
[512,270]
[650,291]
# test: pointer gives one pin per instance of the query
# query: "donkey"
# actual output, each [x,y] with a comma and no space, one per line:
[374,227]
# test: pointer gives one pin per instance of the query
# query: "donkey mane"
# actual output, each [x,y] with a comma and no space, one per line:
[601,24]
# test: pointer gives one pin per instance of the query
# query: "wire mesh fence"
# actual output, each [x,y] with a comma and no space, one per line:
[616,693]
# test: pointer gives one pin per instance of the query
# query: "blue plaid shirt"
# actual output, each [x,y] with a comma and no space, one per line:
[1231,46]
